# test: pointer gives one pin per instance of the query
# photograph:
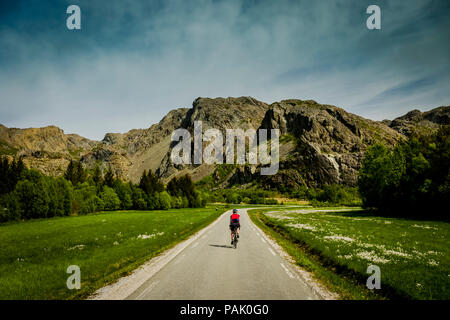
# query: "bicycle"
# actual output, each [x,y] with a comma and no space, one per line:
[235,238]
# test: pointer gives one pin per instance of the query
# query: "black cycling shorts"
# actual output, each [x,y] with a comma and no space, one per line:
[234,226]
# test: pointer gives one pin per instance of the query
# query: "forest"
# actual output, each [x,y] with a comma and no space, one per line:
[412,179]
[29,194]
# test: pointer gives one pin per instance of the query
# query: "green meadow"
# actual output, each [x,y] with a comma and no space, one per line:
[413,255]
[35,254]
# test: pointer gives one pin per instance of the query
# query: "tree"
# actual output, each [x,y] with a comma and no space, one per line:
[138,198]
[97,176]
[109,178]
[10,173]
[85,199]
[9,207]
[165,200]
[33,199]
[412,179]
[150,183]
[184,187]
[110,199]
[70,172]
[60,197]
[123,191]
[177,202]
[173,188]
[75,172]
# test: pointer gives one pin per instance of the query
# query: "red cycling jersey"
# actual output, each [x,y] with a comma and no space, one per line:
[234,218]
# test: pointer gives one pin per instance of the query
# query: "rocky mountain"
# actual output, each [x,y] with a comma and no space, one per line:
[416,120]
[47,149]
[327,144]
[319,144]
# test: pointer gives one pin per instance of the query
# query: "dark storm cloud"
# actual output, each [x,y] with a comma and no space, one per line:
[135,60]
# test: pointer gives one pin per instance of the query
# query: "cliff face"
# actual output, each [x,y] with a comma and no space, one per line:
[327,143]
[221,113]
[47,149]
[131,153]
[319,144]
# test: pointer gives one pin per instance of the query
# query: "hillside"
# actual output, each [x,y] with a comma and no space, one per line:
[47,149]
[319,144]
[418,121]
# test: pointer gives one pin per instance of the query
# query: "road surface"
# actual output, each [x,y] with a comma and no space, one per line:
[209,268]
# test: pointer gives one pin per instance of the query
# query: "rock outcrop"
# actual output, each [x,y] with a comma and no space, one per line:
[417,121]
[329,142]
[47,149]
[319,144]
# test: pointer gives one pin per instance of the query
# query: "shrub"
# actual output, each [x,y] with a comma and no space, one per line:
[177,202]
[33,199]
[9,207]
[110,199]
[164,200]
[124,193]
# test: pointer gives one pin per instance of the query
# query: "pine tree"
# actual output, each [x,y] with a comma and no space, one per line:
[97,176]
[154,180]
[75,172]
[150,183]
[70,172]
[109,178]
[10,174]
[80,173]
[172,187]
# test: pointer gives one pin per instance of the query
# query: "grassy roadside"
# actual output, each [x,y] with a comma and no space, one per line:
[413,255]
[347,284]
[34,255]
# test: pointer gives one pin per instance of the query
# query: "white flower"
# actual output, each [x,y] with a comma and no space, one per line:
[145,236]
[301,226]
[372,257]
[433,262]
[78,246]
[339,238]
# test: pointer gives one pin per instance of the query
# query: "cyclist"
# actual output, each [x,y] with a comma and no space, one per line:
[234,223]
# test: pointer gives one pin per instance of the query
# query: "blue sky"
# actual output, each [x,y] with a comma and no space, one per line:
[135,60]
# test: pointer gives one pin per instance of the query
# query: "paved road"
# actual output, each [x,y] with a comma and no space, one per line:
[209,268]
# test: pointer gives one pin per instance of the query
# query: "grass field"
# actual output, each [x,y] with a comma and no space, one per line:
[413,255]
[34,255]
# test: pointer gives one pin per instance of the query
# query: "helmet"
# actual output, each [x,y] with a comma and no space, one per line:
[234,210]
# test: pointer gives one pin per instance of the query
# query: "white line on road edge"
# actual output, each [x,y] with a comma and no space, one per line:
[147,291]
[305,277]
[125,286]
[262,239]
[287,271]
[271,251]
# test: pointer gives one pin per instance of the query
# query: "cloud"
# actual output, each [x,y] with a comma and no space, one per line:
[404,89]
[133,61]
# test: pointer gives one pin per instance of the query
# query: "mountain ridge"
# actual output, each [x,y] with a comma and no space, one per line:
[319,144]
